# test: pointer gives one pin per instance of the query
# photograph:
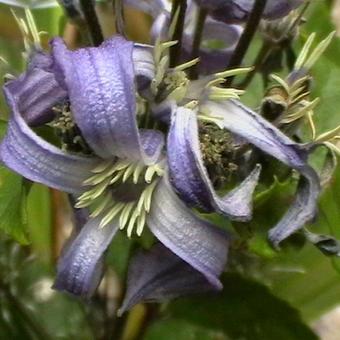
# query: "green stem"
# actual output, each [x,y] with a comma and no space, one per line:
[119,16]
[246,37]
[178,6]
[202,14]
[92,22]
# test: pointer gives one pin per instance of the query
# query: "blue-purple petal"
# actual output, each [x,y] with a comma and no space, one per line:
[101,87]
[232,11]
[29,155]
[247,124]
[198,242]
[157,275]
[189,176]
[80,266]
[37,90]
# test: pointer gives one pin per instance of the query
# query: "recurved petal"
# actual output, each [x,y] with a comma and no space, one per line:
[37,90]
[80,266]
[303,209]
[159,275]
[29,155]
[101,88]
[190,178]
[196,241]
[256,130]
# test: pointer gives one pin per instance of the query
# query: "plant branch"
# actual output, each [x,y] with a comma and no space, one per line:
[246,37]
[92,22]
[202,14]
[178,6]
[119,16]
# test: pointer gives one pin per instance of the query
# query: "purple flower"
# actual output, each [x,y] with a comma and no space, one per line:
[129,177]
[237,11]
[123,181]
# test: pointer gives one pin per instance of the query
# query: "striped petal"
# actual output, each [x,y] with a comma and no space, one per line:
[37,91]
[190,178]
[101,87]
[80,267]
[29,155]
[158,275]
[196,241]
[245,123]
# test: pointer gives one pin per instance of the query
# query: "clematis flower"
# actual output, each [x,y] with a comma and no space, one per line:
[237,11]
[124,173]
[123,180]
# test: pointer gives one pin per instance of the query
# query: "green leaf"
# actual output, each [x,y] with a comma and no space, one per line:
[245,309]
[13,216]
[181,330]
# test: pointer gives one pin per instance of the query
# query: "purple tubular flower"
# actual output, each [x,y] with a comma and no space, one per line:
[158,275]
[237,11]
[190,178]
[101,86]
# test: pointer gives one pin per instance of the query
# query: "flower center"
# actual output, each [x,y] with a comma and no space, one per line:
[121,190]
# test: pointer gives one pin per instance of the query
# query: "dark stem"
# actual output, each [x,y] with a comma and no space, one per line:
[202,14]
[178,6]
[246,37]
[92,22]
[119,16]
[259,60]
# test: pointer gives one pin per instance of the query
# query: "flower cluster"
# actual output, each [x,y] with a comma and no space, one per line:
[144,146]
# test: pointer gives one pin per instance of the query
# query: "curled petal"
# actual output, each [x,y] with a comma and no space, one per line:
[189,175]
[29,155]
[158,275]
[247,124]
[37,91]
[196,241]
[80,266]
[101,87]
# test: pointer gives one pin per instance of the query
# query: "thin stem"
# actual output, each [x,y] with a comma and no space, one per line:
[246,37]
[202,14]
[119,16]
[178,6]
[92,22]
